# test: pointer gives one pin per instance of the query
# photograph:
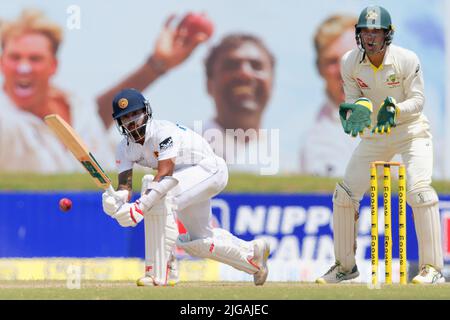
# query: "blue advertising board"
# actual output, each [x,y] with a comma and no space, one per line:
[299,226]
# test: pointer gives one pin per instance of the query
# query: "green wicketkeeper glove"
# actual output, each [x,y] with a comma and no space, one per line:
[359,118]
[387,116]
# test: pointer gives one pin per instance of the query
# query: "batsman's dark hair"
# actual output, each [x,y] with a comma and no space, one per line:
[233,41]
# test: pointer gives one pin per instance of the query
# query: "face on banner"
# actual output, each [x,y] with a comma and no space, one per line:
[27,64]
[289,96]
[241,80]
[329,63]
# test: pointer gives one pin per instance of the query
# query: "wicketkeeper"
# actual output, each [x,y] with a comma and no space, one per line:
[383,86]
[188,175]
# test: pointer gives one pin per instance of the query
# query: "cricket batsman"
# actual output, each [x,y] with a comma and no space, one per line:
[188,175]
[384,100]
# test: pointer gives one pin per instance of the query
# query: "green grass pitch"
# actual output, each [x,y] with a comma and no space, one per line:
[237,182]
[126,290]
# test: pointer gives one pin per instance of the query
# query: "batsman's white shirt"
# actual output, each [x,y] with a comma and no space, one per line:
[200,173]
[164,140]
[399,76]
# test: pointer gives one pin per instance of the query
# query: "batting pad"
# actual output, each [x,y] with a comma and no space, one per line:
[158,190]
[161,232]
[425,205]
[344,228]
[222,247]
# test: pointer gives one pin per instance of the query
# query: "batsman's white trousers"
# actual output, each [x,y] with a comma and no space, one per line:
[192,196]
[192,202]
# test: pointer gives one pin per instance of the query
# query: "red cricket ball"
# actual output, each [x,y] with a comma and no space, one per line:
[65,204]
[197,23]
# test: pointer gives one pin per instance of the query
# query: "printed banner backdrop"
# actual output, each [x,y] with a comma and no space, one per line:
[299,228]
[110,40]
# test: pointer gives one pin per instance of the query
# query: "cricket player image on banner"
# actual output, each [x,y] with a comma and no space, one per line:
[384,100]
[304,83]
[188,175]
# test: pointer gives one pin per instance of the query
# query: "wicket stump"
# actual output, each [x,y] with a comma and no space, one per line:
[387,209]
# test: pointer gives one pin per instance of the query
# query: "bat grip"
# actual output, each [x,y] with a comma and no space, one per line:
[110,190]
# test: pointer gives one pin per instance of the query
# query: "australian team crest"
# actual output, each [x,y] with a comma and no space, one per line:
[371,15]
[123,103]
[393,81]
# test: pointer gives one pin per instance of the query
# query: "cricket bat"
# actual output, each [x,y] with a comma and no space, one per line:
[68,136]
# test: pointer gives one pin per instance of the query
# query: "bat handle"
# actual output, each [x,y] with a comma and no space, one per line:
[110,190]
